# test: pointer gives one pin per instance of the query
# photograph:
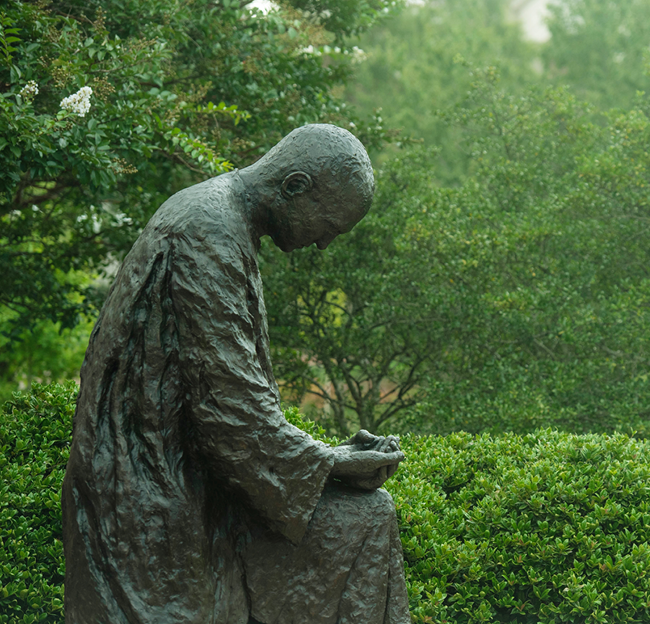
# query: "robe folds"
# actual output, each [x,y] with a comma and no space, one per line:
[184,478]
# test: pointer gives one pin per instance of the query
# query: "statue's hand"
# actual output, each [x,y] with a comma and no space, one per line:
[366,441]
[362,468]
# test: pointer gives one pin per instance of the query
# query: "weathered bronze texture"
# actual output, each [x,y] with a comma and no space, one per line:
[188,498]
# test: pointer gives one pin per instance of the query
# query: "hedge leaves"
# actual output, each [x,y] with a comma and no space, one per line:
[546,528]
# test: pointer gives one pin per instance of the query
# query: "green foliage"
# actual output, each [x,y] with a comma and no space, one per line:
[345,17]
[293,416]
[546,528]
[551,284]
[542,529]
[180,91]
[415,68]
[600,49]
[44,354]
[516,300]
[354,326]
[35,432]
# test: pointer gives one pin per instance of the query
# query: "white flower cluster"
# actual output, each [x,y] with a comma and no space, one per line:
[78,102]
[310,49]
[29,90]
[357,54]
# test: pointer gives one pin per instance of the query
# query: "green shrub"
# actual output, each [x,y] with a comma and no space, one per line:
[550,527]
[34,445]
[546,528]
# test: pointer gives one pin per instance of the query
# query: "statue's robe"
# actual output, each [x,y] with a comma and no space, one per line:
[188,497]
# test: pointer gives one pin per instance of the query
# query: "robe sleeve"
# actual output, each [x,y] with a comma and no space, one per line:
[242,434]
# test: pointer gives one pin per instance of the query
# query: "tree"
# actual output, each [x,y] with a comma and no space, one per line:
[349,325]
[45,353]
[518,299]
[415,68]
[600,49]
[107,108]
[561,205]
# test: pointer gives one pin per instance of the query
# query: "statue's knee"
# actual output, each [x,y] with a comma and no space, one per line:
[357,506]
[383,503]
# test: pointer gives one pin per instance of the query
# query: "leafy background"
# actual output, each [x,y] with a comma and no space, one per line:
[500,282]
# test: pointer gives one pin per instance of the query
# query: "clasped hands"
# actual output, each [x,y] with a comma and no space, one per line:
[366,461]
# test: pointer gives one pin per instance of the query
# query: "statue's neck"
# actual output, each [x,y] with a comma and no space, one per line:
[256,199]
[248,206]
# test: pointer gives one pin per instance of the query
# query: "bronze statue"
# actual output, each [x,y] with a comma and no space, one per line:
[188,498]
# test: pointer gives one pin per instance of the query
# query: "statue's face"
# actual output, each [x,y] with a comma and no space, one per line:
[306,219]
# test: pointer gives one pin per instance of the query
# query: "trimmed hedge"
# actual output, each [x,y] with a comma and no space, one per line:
[35,432]
[545,528]
[548,528]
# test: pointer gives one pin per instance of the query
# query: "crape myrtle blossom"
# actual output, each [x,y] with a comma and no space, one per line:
[310,49]
[357,54]
[78,102]
[29,90]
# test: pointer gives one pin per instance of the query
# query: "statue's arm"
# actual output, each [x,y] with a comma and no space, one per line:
[242,435]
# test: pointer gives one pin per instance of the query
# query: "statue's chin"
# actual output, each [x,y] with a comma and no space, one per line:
[288,247]
[282,244]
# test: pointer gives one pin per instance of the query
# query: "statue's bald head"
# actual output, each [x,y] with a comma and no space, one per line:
[322,181]
[332,157]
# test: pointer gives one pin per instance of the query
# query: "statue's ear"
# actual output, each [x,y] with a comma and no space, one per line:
[296,183]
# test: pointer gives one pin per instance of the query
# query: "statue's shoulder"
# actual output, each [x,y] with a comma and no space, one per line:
[208,205]
[202,223]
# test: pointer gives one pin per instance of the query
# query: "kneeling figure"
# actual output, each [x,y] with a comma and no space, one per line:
[188,497]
